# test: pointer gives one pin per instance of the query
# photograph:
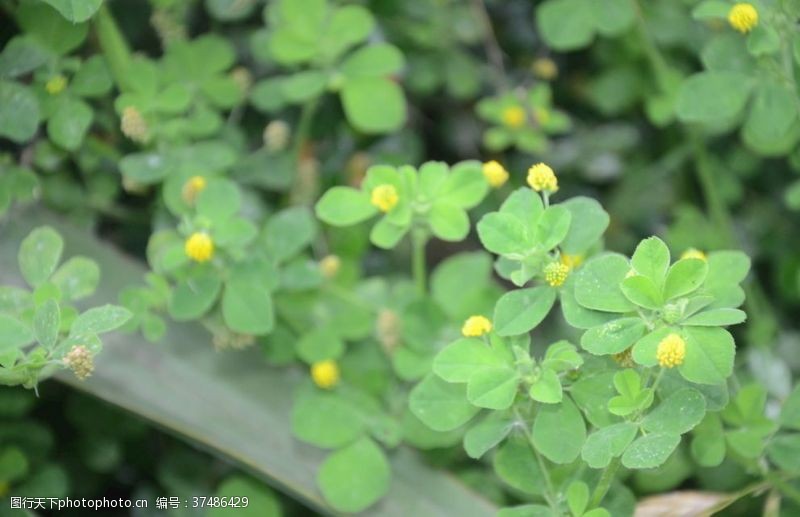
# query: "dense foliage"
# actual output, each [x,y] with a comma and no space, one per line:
[550,245]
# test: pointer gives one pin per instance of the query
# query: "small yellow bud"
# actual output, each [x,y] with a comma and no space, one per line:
[476,326]
[325,374]
[695,254]
[388,330]
[134,126]
[80,361]
[743,17]
[671,351]
[496,175]
[199,247]
[571,261]
[56,84]
[556,273]
[243,78]
[384,197]
[545,68]
[276,135]
[513,116]
[192,188]
[631,272]
[541,177]
[330,265]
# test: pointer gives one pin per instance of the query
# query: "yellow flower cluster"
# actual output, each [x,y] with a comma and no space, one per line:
[325,374]
[545,68]
[476,326]
[56,84]
[134,126]
[384,197]
[496,175]
[192,188]
[242,77]
[80,361]
[556,273]
[541,177]
[671,351]
[199,247]
[276,135]
[571,261]
[513,116]
[330,265]
[743,17]
[695,254]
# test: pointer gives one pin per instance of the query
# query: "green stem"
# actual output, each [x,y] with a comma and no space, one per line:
[492,47]
[304,127]
[419,238]
[657,61]
[550,493]
[115,47]
[604,483]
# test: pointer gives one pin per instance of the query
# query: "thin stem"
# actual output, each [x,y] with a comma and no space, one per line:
[419,238]
[304,127]
[661,69]
[550,493]
[115,47]
[493,50]
[604,483]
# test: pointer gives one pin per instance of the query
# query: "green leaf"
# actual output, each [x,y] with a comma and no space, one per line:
[247,302]
[373,61]
[642,291]
[770,128]
[49,28]
[326,420]
[349,25]
[607,443]
[503,233]
[577,497]
[76,11]
[547,388]
[374,105]
[46,323]
[565,24]
[784,451]
[516,465]
[99,320]
[344,206]
[440,405]
[726,269]
[459,301]
[632,397]
[613,337]
[19,112]
[562,356]
[69,123]
[21,55]
[559,432]
[551,227]
[486,434]
[386,235]
[712,97]
[261,501]
[77,278]
[763,40]
[448,222]
[493,387]
[709,355]
[650,451]
[597,285]
[588,222]
[525,204]
[303,86]
[220,200]
[465,186]
[460,360]
[355,477]
[790,413]
[708,443]
[716,318]
[39,254]
[194,296]
[13,334]
[288,232]
[517,312]
[651,259]
[684,277]
[678,414]
[319,345]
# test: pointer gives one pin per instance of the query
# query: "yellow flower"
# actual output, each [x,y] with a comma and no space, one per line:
[671,351]
[192,188]
[545,68]
[476,326]
[571,261]
[513,116]
[134,126]
[242,77]
[199,247]
[496,175]
[743,17]
[330,265]
[695,254]
[556,273]
[56,84]
[541,177]
[325,373]
[384,197]
[80,361]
